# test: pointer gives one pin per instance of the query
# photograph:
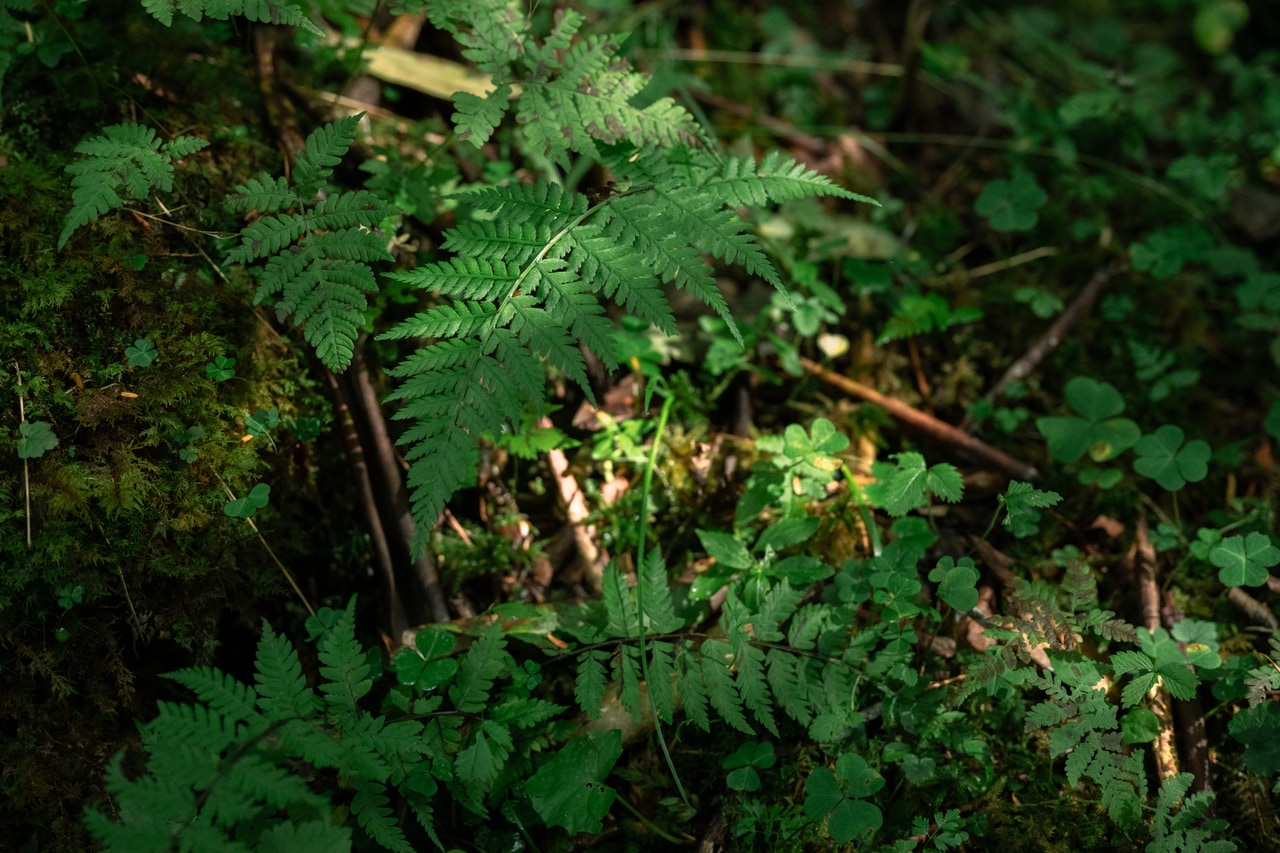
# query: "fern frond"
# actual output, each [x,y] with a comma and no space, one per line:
[619,606]
[589,684]
[777,178]
[620,273]
[124,161]
[258,11]
[513,243]
[282,688]
[627,675]
[542,204]
[493,34]
[655,596]
[476,118]
[372,809]
[318,255]
[715,660]
[220,691]
[693,689]
[479,666]
[781,668]
[323,150]
[753,688]
[458,320]
[662,678]
[343,665]
[524,713]
[264,194]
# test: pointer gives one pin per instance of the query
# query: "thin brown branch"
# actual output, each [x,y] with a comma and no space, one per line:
[396,617]
[1057,332]
[928,425]
[384,456]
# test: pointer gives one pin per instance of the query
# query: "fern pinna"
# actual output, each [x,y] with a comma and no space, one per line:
[318,255]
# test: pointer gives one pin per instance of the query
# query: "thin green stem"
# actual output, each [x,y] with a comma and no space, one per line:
[643,535]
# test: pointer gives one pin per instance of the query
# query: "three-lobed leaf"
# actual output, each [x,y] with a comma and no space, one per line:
[1164,458]
[1244,560]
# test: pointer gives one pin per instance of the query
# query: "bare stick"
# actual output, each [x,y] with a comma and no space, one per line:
[397,619]
[927,424]
[1049,341]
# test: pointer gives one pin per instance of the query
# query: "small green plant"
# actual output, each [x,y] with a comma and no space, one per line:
[245,507]
[221,368]
[1012,204]
[318,256]
[141,353]
[125,161]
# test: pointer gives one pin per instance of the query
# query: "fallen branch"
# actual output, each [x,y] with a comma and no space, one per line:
[930,426]
[1049,341]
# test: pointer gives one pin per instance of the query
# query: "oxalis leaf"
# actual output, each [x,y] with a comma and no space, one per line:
[842,806]
[246,506]
[1096,430]
[569,790]
[957,582]
[1163,458]
[1244,560]
[37,439]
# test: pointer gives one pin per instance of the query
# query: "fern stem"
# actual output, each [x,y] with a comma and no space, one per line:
[657,830]
[645,485]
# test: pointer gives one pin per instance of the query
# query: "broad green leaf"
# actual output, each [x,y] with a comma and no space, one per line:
[787,532]
[1139,726]
[569,790]
[246,506]
[957,582]
[1163,458]
[726,548]
[1258,728]
[1021,502]
[1011,205]
[1244,560]
[36,440]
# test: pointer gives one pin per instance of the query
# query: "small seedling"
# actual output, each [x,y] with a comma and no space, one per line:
[1012,205]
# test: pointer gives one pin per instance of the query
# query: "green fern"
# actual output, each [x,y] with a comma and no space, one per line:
[525,282]
[125,161]
[220,774]
[317,257]
[258,11]
[571,93]
[1177,833]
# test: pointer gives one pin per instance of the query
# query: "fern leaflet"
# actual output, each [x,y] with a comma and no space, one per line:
[317,257]
[259,11]
[125,161]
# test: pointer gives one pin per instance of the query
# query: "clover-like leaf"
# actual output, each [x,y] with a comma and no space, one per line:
[427,666]
[1011,205]
[1165,252]
[221,368]
[569,790]
[36,439]
[957,582]
[262,421]
[142,353]
[1244,560]
[246,506]
[1163,458]
[1096,431]
[744,763]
